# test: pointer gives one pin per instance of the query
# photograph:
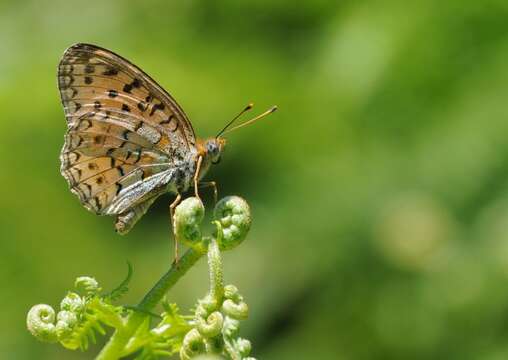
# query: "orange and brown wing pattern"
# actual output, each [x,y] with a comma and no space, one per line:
[92,79]
[123,129]
[100,159]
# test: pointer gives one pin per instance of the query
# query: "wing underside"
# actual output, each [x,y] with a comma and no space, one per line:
[125,137]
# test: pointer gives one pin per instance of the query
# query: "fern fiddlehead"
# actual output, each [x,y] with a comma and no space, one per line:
[212,330]
[217,316]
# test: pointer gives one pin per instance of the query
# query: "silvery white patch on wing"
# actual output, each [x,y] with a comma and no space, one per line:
[149,133]
[134,193]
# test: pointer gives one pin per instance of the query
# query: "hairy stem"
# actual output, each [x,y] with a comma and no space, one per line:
[116,344]
[215,267]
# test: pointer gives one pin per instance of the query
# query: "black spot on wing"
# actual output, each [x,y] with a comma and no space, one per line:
[83,125]
[120,170]
[168,120]
[99,139]
[157,107]
[110,72]
[138,156]
[142,106]
[133,85]
[97,203]
[136,83]
[125,134]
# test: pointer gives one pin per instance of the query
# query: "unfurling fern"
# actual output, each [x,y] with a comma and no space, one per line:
[212,329]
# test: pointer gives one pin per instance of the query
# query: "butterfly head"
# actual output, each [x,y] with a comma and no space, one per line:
[213,149]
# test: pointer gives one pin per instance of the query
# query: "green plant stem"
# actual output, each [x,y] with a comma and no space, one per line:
[215,270]
[116,344]
[169,279]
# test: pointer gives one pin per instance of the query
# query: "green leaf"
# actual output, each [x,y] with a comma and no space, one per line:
[121,289]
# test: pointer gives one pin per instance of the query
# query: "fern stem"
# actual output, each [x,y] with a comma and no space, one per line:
[169,279]
[114,348]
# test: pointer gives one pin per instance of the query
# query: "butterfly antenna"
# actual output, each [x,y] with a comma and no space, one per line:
[266,113]
[247,108]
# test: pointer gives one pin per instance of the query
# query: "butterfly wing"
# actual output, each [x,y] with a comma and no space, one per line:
[124,131]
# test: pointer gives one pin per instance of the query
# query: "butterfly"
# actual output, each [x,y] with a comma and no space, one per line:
[127,141]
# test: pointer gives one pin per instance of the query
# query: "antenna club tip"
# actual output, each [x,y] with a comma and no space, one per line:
[249,106]
[273,109]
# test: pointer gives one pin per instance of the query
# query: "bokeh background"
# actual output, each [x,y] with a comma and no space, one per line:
[379,190]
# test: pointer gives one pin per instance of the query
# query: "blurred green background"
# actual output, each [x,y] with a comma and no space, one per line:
[379,190]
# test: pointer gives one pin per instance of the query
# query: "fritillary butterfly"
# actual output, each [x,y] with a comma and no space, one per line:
[127,140]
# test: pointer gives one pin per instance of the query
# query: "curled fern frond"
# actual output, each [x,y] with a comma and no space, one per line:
[234,306]
[217,327]
[80,319]
[216,324]
[85,332]
[188,217]
[193,345]
[211,332]
[123,288]
[234,215]
[87,284]
[40,321]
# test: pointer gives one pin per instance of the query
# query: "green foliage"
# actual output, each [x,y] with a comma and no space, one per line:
[81,317]
[213,329]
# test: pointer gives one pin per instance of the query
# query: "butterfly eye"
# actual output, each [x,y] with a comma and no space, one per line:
[212,148]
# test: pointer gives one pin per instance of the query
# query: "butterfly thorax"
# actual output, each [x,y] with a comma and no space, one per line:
[180,177]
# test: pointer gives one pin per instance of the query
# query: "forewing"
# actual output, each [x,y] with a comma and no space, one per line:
[92,79]
[123,128]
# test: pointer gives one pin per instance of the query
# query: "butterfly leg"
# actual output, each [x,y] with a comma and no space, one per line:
[196,176]
[172,219]
[212,184]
